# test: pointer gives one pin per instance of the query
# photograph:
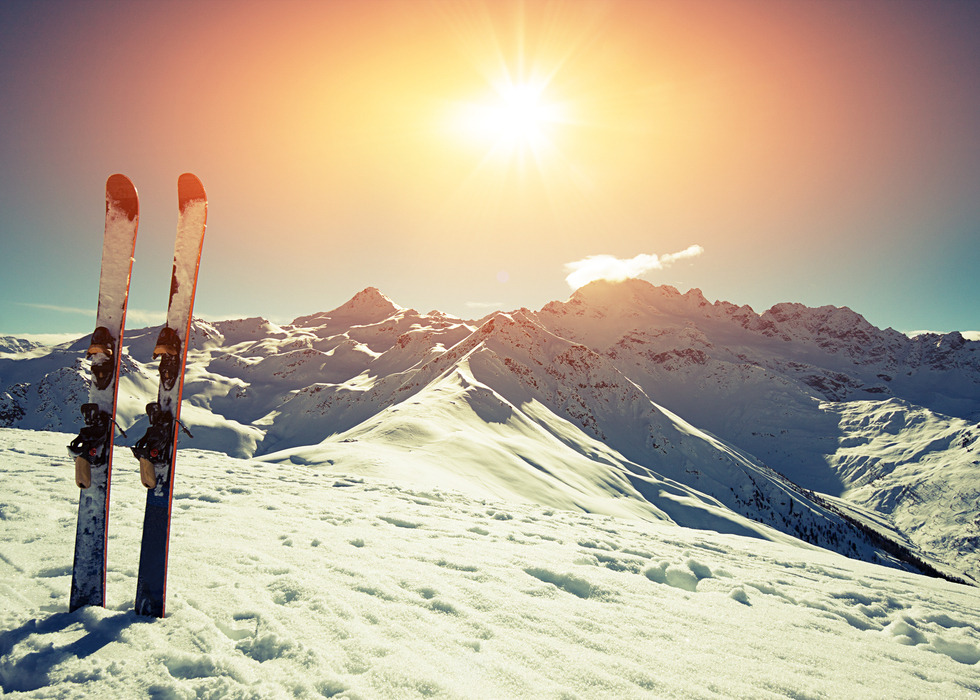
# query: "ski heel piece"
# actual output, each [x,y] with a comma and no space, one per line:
[148,473]
[83,473]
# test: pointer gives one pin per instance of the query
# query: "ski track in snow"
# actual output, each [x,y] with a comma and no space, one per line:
[292,581]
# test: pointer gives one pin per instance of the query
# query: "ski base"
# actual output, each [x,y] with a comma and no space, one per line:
[151,584]
[88,571]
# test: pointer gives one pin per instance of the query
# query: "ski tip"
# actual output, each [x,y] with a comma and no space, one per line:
[189,189]
[120,193]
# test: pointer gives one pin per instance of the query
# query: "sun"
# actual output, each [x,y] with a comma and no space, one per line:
[519,112]
[517,117]
[522,116]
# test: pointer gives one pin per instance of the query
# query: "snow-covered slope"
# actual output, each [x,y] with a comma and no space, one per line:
[627,399]
[479,419]
[289,580]
[11,345]
[810,392]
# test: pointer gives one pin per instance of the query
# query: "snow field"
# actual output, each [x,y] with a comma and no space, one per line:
[289,581]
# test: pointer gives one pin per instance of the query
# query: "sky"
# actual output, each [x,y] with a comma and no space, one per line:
[470,156]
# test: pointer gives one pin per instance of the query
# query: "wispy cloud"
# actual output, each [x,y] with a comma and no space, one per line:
[133,316]
[484,304]
[607,267]
[55,307]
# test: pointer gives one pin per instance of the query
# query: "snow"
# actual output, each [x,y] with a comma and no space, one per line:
[369,306]
[298,580]
[969,335]
[627,400]
[902,460]
[190,225]
[119,244]
[32,345]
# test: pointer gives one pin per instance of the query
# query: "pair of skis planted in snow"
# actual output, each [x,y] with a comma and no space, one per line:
[156,450]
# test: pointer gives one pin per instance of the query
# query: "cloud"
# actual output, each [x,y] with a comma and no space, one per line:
[55,307]
[607,267]
[133,316]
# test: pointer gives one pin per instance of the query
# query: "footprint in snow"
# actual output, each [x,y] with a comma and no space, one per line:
[683,576]
[613,563]
[467,568]
[54,572]
[569,583]
[233,633]
[206,497]
[939,633]
[398,522]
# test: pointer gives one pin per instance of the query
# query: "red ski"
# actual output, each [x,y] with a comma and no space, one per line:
[92,448]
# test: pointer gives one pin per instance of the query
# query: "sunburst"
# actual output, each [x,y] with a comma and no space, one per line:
[517,118]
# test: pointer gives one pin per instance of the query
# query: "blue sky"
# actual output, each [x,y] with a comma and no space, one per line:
[459,155]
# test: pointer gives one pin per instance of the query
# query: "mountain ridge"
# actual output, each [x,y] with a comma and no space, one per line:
[670,384]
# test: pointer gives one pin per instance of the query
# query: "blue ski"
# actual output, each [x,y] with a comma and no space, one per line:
[157,449]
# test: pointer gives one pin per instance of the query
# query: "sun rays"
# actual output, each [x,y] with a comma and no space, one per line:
[517,119]
[523,116]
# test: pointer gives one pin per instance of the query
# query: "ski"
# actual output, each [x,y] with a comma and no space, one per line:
[92,448]
[156,450]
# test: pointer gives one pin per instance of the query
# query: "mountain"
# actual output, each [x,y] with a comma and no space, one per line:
[9,344]
[865,416]
[627,399]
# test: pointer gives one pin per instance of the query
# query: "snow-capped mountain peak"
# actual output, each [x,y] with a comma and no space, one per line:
[628,297]
[366,307]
